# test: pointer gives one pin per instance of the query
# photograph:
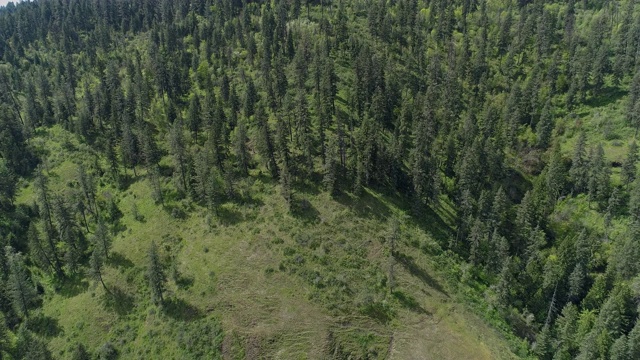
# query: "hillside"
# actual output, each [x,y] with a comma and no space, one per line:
[322,179]
[272,283]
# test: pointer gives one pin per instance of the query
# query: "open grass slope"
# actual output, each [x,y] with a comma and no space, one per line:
[259,281]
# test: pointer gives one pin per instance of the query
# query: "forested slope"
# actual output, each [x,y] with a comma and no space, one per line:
[347,179]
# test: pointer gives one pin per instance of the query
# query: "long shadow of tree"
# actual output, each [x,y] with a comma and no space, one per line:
[72,286]
[303,210]
[409,302]
[118,300]
[365,205]
[118,260]
[43,325]
[414,269]
[179,309]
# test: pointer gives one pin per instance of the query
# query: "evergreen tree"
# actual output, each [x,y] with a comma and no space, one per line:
[250,98]
[29,346]
[4,338]
[69,236]
[154,177]
[79,352]
[544,127]
[285,185]
[633,342]
[633,118]
[155,274]
[241,151]
[330,166]
[129,148]
[102,239]
[8,185]
[265,142]
[629,168]
[20,289]
[96,266]
[193,116]
[619,350]
[567,330]
[579,169]
[599,175]
[149,149]
[88,187]
[555,177]
[39,250]
[179,153]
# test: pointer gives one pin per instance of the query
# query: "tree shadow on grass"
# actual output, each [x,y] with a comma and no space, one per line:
[365,205]
[184,281]
[118,260]
[307,183]
[44,326]
[414,269]
[409,302]
[245,198]
[126,180]
[229,217]
[429,221]
[179,309]
[72,286]
[303,210]
[606,96]
[118,300]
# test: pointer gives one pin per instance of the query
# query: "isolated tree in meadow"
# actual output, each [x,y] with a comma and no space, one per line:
[156,187]
[96,266]
[102,239]
[156,275]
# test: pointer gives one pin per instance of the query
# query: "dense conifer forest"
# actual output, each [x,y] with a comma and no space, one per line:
[325,179]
